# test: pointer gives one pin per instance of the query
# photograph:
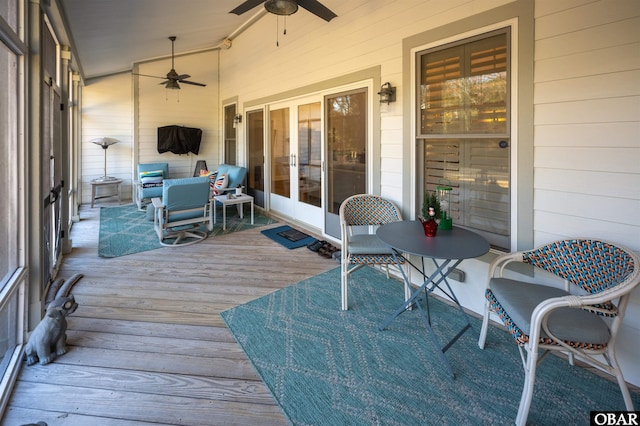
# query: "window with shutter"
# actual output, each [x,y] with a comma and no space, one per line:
[463,129]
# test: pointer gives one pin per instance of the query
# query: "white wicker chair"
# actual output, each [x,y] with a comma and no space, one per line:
[554,319]
[360,215]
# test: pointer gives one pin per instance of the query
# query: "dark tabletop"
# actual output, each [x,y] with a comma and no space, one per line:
[408,237]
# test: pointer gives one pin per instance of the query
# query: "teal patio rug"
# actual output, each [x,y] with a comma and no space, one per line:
[325,366]
[126,230]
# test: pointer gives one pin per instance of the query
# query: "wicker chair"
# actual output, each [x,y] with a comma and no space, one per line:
[360,215]
[569,320]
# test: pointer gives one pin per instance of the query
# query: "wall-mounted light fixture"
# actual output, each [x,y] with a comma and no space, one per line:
[237,120]
[387,93]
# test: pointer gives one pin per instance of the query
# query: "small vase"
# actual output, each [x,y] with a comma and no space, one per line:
[430,227]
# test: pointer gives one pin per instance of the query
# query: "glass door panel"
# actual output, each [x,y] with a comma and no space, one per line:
[309,154]
[280,152]
[346,158]
[255,169]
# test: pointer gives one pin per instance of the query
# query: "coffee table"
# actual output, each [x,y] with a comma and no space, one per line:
[447,248]
[226,200]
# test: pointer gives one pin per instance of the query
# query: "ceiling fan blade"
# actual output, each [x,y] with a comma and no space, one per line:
[181,77]
[193,83]
[317,8]
[246,6]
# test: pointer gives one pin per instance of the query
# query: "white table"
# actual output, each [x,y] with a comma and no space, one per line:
[104,183]
[225,200]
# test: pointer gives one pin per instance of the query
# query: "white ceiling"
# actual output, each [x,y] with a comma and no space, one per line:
[108,36]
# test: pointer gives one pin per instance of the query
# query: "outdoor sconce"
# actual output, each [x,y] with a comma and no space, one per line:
[237,120]
[387,93]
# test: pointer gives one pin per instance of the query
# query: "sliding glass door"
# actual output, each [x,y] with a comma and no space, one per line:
[347,153]
[255,168]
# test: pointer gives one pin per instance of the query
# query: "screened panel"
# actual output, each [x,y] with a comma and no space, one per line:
[8,158]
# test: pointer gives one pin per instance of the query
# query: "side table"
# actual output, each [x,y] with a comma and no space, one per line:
[105,183]
[225,200]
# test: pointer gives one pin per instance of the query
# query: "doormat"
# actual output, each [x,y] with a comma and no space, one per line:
[288,237]
[293,235]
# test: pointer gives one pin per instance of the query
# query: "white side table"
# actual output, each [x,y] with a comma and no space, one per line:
[226,201]
[104,183]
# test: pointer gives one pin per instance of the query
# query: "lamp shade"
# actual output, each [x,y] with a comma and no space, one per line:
[104,142]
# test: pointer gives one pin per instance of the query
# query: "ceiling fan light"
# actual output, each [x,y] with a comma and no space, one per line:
[281,7]
[172,84]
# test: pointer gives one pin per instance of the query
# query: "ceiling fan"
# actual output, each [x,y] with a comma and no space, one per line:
[287,7]
[173,78]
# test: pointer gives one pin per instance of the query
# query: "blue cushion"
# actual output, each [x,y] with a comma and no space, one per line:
[235,174]
[519,299]
[367,244]
[185,193]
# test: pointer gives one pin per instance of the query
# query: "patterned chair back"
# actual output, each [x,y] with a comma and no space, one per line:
[368,209]
[592,265]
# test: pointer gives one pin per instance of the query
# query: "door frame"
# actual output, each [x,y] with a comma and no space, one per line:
[369,78]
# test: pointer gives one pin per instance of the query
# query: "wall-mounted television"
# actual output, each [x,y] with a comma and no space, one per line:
[179,139]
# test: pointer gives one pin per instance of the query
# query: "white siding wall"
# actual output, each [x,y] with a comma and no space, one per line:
[191,106]
[109,106]
[106,111]
[587,132]
[314,51]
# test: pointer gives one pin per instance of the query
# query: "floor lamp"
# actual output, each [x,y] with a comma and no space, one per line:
[105,143]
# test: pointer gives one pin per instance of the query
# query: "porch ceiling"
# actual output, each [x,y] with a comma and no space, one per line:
[108,36]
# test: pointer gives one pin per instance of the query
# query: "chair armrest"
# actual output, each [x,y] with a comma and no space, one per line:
[157,203]
[498,264]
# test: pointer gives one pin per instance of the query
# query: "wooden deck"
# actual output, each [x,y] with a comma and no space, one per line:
[147,344]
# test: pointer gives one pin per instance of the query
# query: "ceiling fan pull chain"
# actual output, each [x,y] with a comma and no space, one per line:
[277,31]
[285,25]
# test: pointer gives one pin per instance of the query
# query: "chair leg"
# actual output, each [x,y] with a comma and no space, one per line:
[485,325]
[615,369]
[529,379]
[343,286]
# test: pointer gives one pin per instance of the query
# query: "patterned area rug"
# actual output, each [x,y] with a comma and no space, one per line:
[333,367]
[126,230]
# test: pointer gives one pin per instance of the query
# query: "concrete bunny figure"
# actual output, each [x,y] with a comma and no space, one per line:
[49,338]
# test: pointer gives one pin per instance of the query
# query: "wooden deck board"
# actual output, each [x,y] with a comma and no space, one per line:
[147,344]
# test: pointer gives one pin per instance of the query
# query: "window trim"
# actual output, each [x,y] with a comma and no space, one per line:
[519,16]
[423,138]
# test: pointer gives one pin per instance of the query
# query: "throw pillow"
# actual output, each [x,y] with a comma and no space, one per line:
[212,180]
[152,178]
[221,183]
